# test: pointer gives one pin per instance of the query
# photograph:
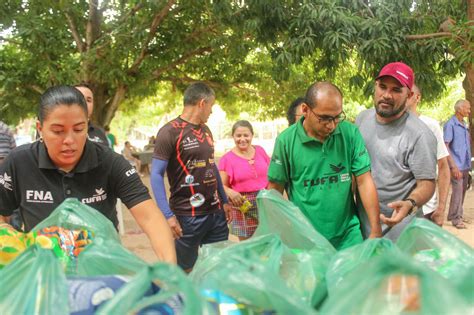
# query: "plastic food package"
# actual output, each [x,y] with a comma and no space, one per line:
[394,284]
[345,261]
[279,216]
[176,296]
[222,304]
[73,215]
[34,283]
[441,251]
[12,244]
[65,244]
[87,294]
[262,273]
[107,257]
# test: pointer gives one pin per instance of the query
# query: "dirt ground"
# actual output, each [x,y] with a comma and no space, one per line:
[136,241]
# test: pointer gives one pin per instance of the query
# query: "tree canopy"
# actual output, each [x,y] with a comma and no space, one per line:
[257,54]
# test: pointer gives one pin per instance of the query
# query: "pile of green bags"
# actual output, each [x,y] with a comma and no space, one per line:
[281,268]
[285,268]
[38,282]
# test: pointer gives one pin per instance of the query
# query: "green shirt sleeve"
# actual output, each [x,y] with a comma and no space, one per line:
[360,155]
[278,171]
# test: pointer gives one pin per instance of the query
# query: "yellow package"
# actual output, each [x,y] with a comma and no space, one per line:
[12,244]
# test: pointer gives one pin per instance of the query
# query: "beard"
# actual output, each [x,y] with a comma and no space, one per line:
[391,112]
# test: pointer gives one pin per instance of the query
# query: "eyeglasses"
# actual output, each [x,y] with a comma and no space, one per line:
[326,119]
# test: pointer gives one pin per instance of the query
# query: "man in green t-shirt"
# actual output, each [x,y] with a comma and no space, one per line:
[317,159]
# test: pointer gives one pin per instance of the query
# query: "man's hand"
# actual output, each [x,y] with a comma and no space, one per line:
[228,212]
[455,173]
[400,211]
[175,227]
[438,216]
[235,198]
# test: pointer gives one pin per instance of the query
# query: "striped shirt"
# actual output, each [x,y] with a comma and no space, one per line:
[7,141]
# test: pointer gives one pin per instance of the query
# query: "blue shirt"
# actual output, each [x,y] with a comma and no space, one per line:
[456,135]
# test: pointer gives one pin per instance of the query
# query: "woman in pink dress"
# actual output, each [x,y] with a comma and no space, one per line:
[244,173]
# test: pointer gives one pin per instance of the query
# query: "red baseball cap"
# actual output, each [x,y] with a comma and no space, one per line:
[400,71]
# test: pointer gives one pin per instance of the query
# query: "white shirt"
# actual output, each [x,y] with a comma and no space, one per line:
[441,152]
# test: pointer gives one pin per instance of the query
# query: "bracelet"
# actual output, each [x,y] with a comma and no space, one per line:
[413,205]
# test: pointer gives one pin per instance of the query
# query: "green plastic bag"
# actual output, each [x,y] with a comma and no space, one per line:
[394,283]
[282,280]
[174,285]
[34,283]
[108,257]
[74,215]
[345,261]
[280,216]
[442,252]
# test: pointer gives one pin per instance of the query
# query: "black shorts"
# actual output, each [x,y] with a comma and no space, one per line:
[198,230]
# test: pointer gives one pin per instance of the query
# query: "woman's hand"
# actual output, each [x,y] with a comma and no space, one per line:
[235,198]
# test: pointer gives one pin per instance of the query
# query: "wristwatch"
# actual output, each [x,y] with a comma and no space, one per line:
[413,205]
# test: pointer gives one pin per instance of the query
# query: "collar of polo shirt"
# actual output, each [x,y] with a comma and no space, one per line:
[89,159]
[304,136]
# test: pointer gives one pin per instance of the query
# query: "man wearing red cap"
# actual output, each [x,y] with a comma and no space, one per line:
[402,150]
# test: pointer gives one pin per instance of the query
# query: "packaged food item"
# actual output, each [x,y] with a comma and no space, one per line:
[66,244]
[87,294]
[223,304]
[71,242]
[402,293]
[245,207]
[12,244]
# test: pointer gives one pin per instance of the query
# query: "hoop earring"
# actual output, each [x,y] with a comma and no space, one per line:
[41,139]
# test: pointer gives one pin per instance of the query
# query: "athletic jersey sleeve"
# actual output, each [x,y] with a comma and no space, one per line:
[158,168]
[360,156]
[164,144]
[220,187]
[279,166]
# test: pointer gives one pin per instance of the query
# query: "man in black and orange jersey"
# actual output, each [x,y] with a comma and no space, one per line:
[198,210]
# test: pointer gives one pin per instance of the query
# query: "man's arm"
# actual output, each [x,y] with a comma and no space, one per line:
[158,168]
[423,191]
[370,201]
[455,173]
[223,197]
[278,187]
[154,224]
[444,176]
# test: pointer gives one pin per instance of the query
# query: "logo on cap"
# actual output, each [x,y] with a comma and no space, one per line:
[400,72]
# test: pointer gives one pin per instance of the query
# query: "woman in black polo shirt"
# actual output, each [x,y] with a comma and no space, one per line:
[37,177]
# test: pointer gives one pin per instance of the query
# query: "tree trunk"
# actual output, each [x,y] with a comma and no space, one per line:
[468,82]
[108,105]
[468,85]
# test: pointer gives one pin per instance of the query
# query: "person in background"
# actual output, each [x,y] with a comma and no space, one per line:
[458,141]
[244,173]
[7,144]
[198,209]
[402,150]
[151,144]
[316,161]
[294,112]
[39,176]
[95,133]
[111,138]
[7,141]
[128,151]
[434,208]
